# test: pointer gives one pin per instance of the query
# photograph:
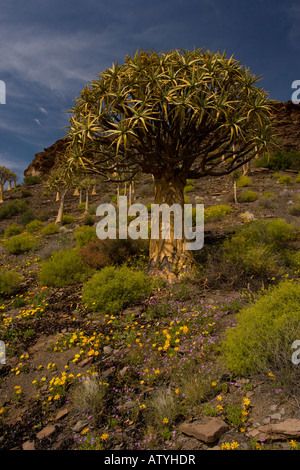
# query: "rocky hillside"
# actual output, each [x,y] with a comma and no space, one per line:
[287,125]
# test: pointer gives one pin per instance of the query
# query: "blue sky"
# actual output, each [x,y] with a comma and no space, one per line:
[50,49]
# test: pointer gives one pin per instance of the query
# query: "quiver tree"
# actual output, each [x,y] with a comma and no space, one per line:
[12,178]
[59,182]
[4,175]
[174,115]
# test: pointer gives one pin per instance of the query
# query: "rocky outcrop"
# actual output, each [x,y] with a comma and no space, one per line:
[286,122]
[43,162]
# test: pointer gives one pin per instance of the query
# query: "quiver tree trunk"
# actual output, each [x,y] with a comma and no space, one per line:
[170,254]
[1,193]
[60,214]
[86,209]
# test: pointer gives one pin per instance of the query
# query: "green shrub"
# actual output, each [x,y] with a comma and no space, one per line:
[261,341]
[50,229]
[84,234]
[81,206]
[27,217]
[64,268]
[113,288]
[244,181]
[295,209]
[21,243]
[286,179]
[31,180]
[89,220]
[248,196]
[257,245]
[9,281]
[297,180]
[188,189]
[34,226]
[25,193]
[215,213]
[268,195]
[68,219]
[280,160]
[11,209]
[268,200]
[13,229]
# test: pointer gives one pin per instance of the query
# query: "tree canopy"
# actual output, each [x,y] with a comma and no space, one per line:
[188,112]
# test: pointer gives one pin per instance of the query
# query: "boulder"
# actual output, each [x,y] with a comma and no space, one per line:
[207,430]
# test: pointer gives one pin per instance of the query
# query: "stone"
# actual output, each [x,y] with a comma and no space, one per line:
[288,429]
[46,432]
[275,416]
[28,445]
[207,430]
[79,426]
[61,414]
[107,350]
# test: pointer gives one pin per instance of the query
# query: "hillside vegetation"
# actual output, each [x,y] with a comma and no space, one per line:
[102,355]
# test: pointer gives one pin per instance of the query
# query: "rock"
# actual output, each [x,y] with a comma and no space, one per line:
[288,429]
[256,434]
[61,414]
[43,162]
[267,420]
[46,432]
[85,361]
[107,350]
[276,416]
[28,445]
[207,430]
[79,426]
[273,407]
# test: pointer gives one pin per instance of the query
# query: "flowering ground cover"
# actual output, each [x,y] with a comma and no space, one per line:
[79,379]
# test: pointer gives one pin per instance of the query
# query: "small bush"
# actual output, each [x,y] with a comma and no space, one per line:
[50,229]
[297,180]
[268,200]
[248,196]
[188,189]
[113,288]
[27,217]
[21,243]
[100,253]
[268,195]
[244,181]
[84,234]
[280,160]
[261,341]
[215,213]
[257,246]
[25,193]
[89,220]
[89,395]
[9,281]
[295,209]
[64,268]
[68,219]
[34,226]
[81,206]
[31,180]
[286,179]
[13,229]
[11,209]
